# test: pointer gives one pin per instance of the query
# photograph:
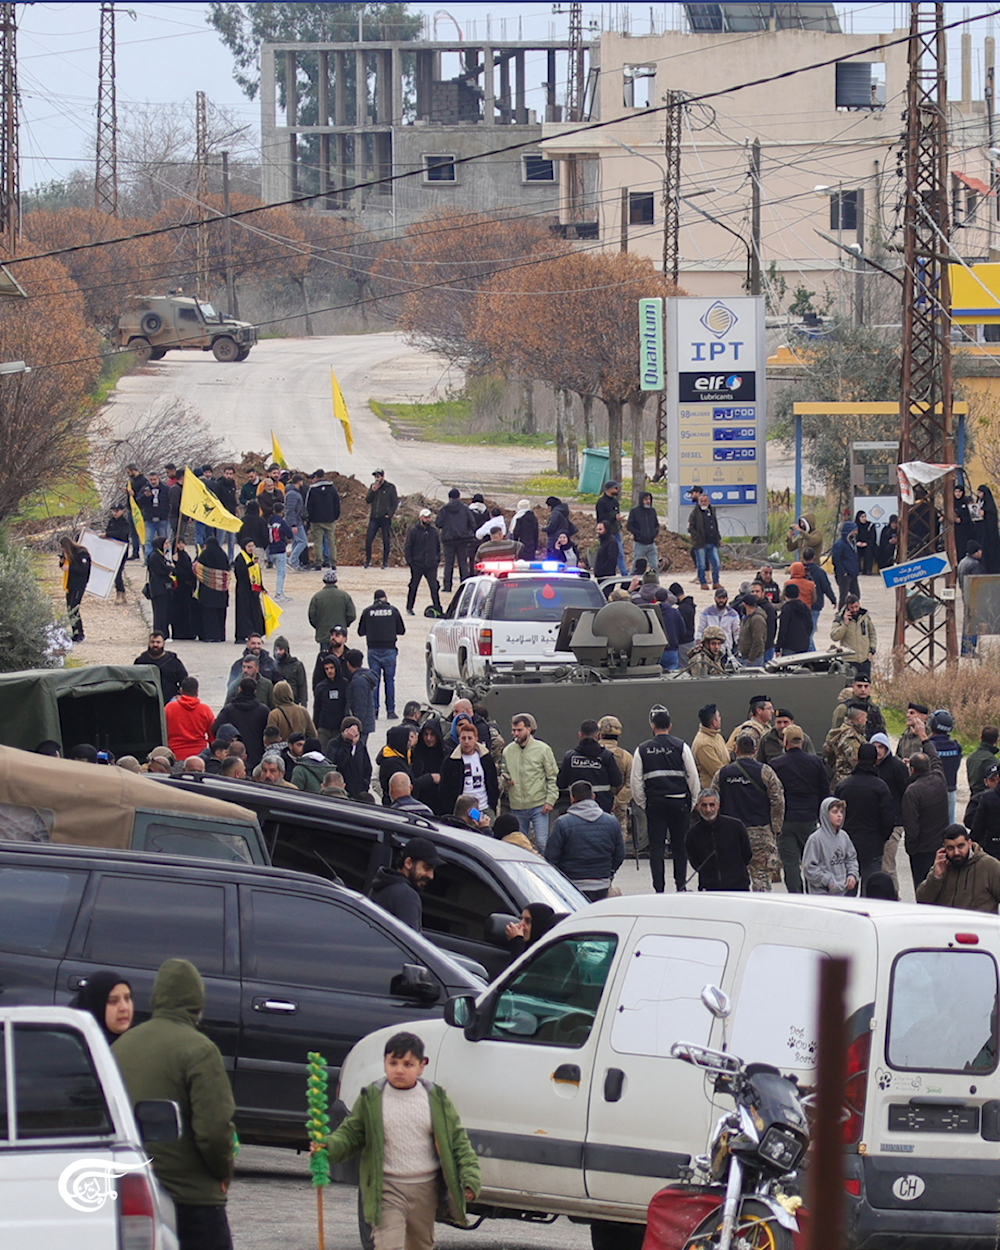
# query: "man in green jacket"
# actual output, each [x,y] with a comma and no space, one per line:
[528,773]
[311,770]
[410,1140]
[330,606]
[168,1058]
[981,758]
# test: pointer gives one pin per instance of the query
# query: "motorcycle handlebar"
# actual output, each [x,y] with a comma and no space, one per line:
[705,1057]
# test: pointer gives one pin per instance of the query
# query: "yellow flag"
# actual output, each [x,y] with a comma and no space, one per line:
[276,454]
[340,411]
[137,521]
[272,614]
[198,501]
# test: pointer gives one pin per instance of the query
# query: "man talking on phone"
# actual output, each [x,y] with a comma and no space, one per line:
[963,875]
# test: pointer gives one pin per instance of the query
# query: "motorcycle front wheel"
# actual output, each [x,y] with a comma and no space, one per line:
[756,1229]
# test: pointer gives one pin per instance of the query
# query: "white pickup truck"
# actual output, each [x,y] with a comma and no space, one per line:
[73,1171]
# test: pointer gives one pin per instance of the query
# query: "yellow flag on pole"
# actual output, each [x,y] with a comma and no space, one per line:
[137,521]
[277,457]
[198,501]
[340,411]
[272,614]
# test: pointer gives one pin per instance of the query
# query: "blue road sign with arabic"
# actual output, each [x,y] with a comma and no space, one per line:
[915,571]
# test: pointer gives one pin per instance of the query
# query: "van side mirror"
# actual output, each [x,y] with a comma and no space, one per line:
[415,983]
[158,1120]
[495,929]
[460,1011]
[717,1002]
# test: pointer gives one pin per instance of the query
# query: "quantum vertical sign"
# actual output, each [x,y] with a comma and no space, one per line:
[651,348]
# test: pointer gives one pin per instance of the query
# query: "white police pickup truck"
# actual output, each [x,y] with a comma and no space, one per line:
[73,1171]
[509,611]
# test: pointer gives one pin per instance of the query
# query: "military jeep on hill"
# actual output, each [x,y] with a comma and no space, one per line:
[157,324]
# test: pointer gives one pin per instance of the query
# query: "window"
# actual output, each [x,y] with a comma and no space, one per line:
[307,941]
[37,909]
[307,848]
[660,1001]
[775,1027]
[540,882]
[971,204]
[640,208]
[844,210]
[194,841]
[943,1012]
[439,167]
[138,922]
[58,1093]
[477,609]
[860,85]
[553,1000]
[638,86]
[464,599]
[187,314]
[537,599]
[539,169]
[458,901]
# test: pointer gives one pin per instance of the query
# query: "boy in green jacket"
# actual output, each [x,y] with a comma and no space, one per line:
[410,1139]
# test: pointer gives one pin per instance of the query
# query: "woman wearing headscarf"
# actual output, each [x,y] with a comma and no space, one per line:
[888,543]
[254,527]
[426,759]
[160,581]
[987,531]
[212,572]
[249,588]
[524,529]
[963,520]
[865,542]
[182,606]
[107,996]
[536,920]
[75,565]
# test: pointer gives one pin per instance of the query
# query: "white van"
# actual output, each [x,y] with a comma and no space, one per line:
[560,1070]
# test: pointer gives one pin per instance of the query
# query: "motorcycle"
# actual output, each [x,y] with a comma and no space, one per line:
[741,1204]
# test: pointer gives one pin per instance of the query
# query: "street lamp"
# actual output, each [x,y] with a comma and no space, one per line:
[661,170]
[14,366]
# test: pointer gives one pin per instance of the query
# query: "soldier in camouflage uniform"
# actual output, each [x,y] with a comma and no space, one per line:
[707,658]
[756,725]
[840,750]
[751,792]
[609,730]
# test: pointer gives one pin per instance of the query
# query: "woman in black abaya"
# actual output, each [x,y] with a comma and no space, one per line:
[212,572]
[249,588]
[183,621]
[987,531]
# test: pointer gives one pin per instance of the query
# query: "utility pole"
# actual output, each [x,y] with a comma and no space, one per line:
[672,186]
[201,190]
[755,217]
[106,172]
[925,397]
[10,162]
[624,220]
[575,90]
[234,308]
[859,273]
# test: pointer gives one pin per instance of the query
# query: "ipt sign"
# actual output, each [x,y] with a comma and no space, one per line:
[716,375]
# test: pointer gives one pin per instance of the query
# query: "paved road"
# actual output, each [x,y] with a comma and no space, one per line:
[272,1204]
[284,385]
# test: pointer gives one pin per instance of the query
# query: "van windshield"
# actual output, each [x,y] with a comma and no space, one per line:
[943,1012]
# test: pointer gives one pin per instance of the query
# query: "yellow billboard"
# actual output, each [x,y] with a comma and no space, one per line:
[975,294]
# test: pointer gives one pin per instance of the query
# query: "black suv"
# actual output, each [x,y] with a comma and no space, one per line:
[338,839]
[291,963]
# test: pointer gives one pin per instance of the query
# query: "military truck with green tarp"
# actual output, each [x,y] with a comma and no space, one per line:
[114,707]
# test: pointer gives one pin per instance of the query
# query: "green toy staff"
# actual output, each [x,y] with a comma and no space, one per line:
[318,1127]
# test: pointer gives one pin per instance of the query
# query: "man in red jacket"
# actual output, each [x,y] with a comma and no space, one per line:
[189,721]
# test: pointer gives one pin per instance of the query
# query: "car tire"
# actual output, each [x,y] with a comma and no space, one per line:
[244,352]
[140,348]
[611,1235]
[225,350]
[366,1234]
[157,353]
[151,323]
[436,693]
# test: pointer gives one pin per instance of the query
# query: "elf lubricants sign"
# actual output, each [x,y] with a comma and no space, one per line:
[716,410]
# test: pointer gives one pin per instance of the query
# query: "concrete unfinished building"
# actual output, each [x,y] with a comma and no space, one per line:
[384,109]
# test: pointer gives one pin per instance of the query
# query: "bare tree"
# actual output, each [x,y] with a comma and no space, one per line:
[170,430]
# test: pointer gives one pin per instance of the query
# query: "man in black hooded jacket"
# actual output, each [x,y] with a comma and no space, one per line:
[398,890]
[870,810]
[458,529]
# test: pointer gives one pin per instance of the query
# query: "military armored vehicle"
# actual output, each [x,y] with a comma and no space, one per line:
[157,324]
[617,673]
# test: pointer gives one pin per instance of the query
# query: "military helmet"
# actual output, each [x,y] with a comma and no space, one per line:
[610,727]
[713,631]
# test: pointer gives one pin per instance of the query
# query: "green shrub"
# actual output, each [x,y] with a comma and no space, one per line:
[26,617]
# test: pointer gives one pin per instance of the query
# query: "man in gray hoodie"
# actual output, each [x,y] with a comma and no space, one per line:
[586,843]
[829,861]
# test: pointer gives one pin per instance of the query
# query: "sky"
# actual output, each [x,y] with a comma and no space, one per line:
[168,52]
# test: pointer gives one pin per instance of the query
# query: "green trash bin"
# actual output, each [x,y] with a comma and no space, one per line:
[593,470]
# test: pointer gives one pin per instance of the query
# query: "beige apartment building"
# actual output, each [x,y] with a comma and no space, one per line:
[835,127]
